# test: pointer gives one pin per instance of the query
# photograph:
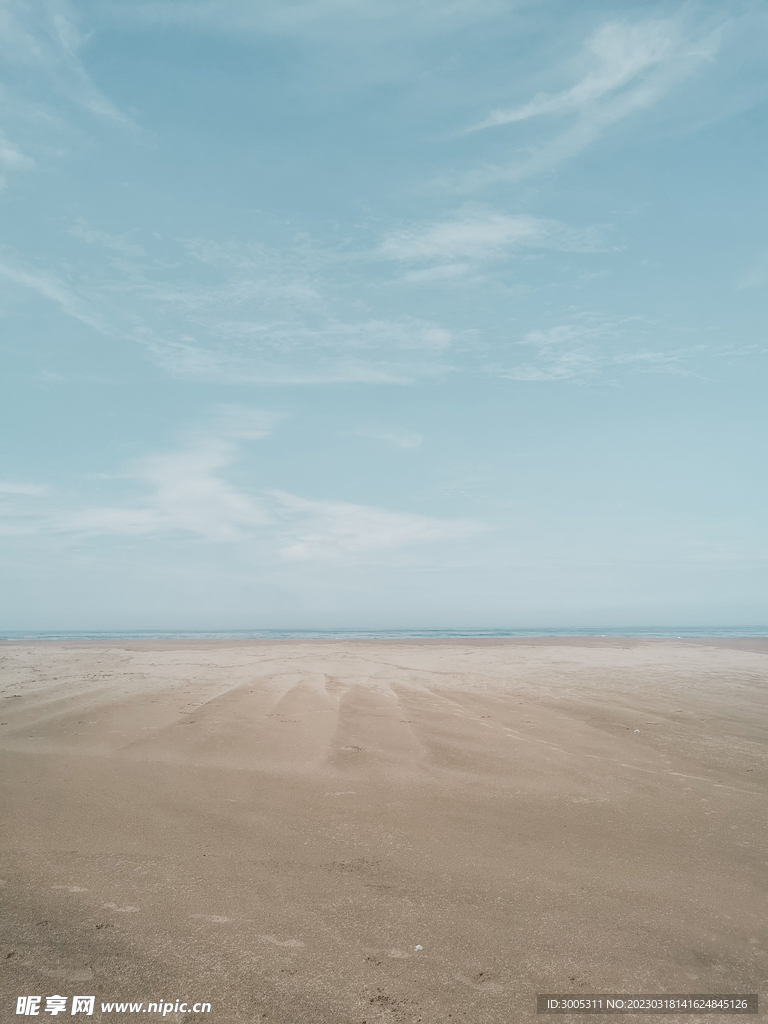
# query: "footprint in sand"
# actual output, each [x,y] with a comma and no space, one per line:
[121,910]
[286,943]
[70,888]
[214,918]
[398,954]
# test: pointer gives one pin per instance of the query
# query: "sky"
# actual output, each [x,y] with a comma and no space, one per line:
[383,314]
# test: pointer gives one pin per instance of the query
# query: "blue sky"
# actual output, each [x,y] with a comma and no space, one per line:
[375,313]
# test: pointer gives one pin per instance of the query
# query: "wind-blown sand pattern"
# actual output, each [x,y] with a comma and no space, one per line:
[277,827]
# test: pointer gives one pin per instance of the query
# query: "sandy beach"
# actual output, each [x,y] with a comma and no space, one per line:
[357,832]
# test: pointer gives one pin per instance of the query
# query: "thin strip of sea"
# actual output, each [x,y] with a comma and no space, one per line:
[648,632]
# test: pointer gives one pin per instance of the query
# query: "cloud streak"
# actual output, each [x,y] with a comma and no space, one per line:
[367,352]
[188,494]
[333,529]
[629,67]
[476,234]
[206,317]
[51,287]
[404,441]
[185,491]
[44,84]
[236,314]
[593,345]
[23,489]
[41,43]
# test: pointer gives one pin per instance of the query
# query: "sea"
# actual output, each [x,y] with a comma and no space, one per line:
[649,632]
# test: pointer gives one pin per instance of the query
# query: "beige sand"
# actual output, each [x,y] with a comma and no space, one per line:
[275,827]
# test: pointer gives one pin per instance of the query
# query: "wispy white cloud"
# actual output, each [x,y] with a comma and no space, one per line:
[43,42]
[593,345]
[332,529]
[366,352]
[186,491]
[436,274]
[25,489]
[214,324]
[50,286]
[242,423]
[397,439]
[191,497]
[477,233]
[234,314]
[588,327]
[43,81]
[622,53]
[118,243]
[627,67]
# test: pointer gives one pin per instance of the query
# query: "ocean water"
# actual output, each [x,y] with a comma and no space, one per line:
[649,632]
